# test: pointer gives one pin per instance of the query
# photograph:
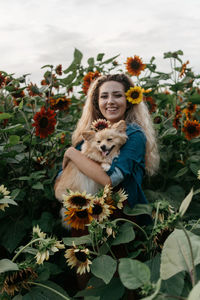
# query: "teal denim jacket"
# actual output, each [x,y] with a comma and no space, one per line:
[131,162]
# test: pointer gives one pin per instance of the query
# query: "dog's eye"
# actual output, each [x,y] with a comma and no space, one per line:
[109,140]
[98,142]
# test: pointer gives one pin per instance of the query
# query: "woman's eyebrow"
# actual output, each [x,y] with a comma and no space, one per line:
[112,92]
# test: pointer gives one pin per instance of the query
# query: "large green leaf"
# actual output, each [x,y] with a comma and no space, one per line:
[46,291]
[174,285]
[195,292]
[77,240]
[7,265]
[104,267]
[125,234]
[4,116]
[138,209]
[176,255]
[112,291]
[133,273]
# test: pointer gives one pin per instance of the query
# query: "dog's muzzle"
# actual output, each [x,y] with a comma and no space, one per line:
[106,151]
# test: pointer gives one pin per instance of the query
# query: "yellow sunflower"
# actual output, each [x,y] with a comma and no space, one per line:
[78,258]
[77,200]
[100,210]
[37,233]
[120,197]
[134,95]
[191,129]
[61,103]
[78,218]
[134,65]
[4,194]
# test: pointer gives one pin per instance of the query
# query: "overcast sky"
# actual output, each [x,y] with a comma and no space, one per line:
[38,32]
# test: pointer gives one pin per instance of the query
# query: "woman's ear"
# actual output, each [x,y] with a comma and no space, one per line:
[88,135]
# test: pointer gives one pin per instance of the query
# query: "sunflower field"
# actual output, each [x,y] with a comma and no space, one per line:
[116,258]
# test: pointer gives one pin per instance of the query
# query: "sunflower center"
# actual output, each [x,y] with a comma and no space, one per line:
[82,214]
[97,209]
[81,256]
[101,126]
[79,201]
[134,95]
[191,129]
[135,64]
[43,122]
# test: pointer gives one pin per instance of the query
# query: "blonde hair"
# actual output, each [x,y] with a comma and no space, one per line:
[135,113]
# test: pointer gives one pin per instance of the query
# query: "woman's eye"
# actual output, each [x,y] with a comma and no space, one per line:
[104,97]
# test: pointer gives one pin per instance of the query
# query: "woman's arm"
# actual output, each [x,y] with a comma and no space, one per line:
[87,166]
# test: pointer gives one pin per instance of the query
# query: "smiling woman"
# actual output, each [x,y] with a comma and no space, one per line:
[107,99]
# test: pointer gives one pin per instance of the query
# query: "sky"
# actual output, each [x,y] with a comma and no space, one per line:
[34,33]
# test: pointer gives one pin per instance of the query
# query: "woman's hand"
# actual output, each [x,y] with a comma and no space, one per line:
[66,157]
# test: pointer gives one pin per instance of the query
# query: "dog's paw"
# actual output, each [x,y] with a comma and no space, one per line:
[105,166]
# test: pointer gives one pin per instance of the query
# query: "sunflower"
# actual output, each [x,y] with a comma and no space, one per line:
[77,200]
[134,95]
[176,122]
[18,280]
[41,256]
[191,129]
[134,65]
[88,78]
[107,194]
[78,218]
[37,233]
[2,80]
[183,68]
[4,194]
[119,197]
[100,124]
[33,90]
[61,103]
[101,210]
[44,122]
[78,258]
[191,107]
[58,70]
[151,103]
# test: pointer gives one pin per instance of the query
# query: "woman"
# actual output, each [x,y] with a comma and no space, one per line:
[107,99]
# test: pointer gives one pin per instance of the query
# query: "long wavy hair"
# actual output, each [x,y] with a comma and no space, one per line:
[135,113]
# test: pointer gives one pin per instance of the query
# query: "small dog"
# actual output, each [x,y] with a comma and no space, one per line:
[101,146]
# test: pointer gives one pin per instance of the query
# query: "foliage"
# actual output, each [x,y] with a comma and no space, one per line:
[36,123]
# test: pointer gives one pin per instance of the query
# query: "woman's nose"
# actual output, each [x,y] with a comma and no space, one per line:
[110,99]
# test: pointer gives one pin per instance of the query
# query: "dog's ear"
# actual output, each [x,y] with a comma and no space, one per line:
[120,126]
[88,135]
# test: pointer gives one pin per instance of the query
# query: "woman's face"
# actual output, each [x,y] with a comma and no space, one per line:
[112,101]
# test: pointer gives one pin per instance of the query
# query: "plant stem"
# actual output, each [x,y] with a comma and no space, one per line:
[193,272]
[135,224]
[22,249]
[49,288]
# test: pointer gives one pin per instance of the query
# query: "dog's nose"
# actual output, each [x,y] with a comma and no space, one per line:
[103,148]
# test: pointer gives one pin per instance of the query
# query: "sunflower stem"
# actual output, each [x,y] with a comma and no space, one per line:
[135,224]
[22,249]
[49,288]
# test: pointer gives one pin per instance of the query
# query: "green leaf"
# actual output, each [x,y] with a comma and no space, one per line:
[194,98]
[8,201]
[152,297]
[46,291]
[176,255]
[14,139]
[77,240]
[138,209]
[173,285]
[12,128]
[109,60]
[169,132]
[181,172]
[4,116]
[104,267]
[125,234]
[7,265]
[195,292]
[38,186]
[133,273]
[100,56]
[112,291]
[186,203]
[77,56]
[91,62]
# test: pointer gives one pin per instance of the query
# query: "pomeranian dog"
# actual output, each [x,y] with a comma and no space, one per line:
[101,146]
